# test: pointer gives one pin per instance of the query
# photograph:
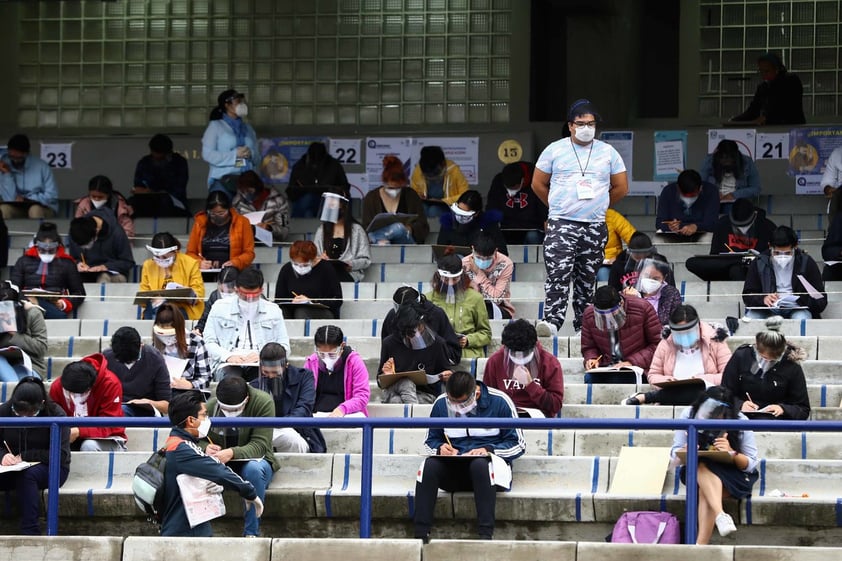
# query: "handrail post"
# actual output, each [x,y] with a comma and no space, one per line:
[53,480]
[691,487]
[365,482]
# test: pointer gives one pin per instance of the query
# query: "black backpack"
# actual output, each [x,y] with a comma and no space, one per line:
[148,486]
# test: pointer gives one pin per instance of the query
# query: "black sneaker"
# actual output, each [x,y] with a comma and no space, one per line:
[632,399]
[732,323]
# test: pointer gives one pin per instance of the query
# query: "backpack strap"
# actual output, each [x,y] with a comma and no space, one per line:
[172,443]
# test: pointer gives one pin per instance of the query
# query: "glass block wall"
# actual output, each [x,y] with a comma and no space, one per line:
[806,33]
[154,63]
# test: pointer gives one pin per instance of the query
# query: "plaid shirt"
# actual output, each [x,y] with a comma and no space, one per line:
[198,368]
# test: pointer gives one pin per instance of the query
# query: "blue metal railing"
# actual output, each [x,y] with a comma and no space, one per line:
[369,424]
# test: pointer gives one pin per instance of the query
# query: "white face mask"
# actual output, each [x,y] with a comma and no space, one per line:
[330,363]
[99,203]
[585,134]
[166,262]
[512,192]
[301,270]
[227,295]
[523,360]
[204,427]
[393,192]
[242,110]
[463,219]
[166,340]
[688,201]
[248,309]
[782,261]
[650,286]
[46,257]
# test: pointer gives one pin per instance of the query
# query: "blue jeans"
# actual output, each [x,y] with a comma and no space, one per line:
[395,233]
[305,206]
[533,237]
[786,314]
[27,485]
[51,311]
[434,210]
[259,474]
[9,373]
[603,273]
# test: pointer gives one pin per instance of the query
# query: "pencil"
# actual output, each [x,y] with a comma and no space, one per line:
[445,437]
[82,255]
[209,439]
[294,294]
[10,450]
[729,248]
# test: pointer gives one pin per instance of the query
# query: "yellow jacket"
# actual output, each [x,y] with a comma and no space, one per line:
[185,271]
[619,230]
[454,182]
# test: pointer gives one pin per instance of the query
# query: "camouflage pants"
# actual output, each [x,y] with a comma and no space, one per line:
[572,252]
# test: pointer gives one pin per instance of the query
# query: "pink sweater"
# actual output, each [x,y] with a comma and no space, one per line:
[715,355]
[357,390]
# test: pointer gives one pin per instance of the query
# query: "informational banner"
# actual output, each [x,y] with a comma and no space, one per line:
[772,146]
[278,155]
[346,150]
[808,185]
[377,148]
[645,188]
[745,139]
[58,155]
[463,151]
[670,154]
[623,143]
[810,147]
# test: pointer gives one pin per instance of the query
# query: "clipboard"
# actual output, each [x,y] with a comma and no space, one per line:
[609,375]
[675,237]
[418,377]
[315,305]
[388,218]
[713,455]
[759,415]
[684,382]
[39,293]
[180,294]
[440,251]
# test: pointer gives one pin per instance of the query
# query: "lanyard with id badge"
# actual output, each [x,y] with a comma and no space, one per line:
[584,185]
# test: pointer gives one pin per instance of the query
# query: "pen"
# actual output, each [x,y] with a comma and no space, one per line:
[749,397]
[10,450]
[294,294]
[729,248]
[82,255]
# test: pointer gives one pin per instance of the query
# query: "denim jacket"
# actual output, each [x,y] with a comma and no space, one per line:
[222,329]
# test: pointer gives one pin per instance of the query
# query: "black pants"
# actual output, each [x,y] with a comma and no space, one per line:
[153,205]
[832,273]
[678,395]
[717,269]
[455,475]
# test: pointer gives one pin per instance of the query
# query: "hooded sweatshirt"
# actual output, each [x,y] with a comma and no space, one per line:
[59,276]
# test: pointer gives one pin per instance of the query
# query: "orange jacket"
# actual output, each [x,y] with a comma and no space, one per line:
[242,239]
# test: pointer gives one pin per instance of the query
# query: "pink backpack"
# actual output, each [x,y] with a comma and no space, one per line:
[646,527]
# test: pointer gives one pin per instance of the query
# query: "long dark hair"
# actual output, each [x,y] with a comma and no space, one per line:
[347,222]
[728,411]
[168,314]
[727,149]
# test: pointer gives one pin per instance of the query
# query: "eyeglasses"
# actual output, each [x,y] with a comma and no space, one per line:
[223,214]
[334,354]
[589,124]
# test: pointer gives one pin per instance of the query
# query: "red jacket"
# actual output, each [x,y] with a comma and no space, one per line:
[546,392]
[639,336]
[106,399]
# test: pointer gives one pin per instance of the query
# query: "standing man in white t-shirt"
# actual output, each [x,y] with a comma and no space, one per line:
[577,178]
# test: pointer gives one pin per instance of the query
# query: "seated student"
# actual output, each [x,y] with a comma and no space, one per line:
[734,173]
[744,228]
[221,236]
[190,420]
[491,275]
[293,391]
[394,197]
[718,480]
[767,377]
[160,181]
[832,251]
[342,387]
[625,269]
[689,349]
[306,279]
[101,194]
[465,397]
[28,444]
[26,330]
[522,369]
[249,447]
[316,172]
[87,388]
[226,287]
[437,180]
[253,196]
[434,318]
[412,346]
[618,331]
[237,328]
[464,306]
[168,268]
[142,372]
[511,194]
[775,275]
[620,231]
[340,240]
[466,219]
[171,338]
[46,266]
[688,206]
[100,247]
[651,286]
[27,186]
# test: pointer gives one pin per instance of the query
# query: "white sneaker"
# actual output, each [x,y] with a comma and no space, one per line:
[725,524]
[546,329]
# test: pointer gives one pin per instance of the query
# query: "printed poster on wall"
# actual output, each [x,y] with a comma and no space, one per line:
[359,185]
[58,155]
[463,151]
[623,143]
[670,155]
[810,147]
[745,139]
[377,148]
[278,155]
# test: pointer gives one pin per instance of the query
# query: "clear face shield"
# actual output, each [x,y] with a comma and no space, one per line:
[422,338]
[450,284]
[522,366]
[462,408]
[651,276]
[271,377]
[685,336]
[610,320]
[710,409]
[331,207]
[460,215]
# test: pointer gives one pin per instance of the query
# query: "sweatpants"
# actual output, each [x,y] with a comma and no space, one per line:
[721,268]
[572,252]
[453,475]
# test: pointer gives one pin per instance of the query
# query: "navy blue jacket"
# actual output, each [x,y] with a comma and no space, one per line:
[760,281]
[186,457]
[703,213]
[111,247]
[294,395]
[169,176]
[453,233]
